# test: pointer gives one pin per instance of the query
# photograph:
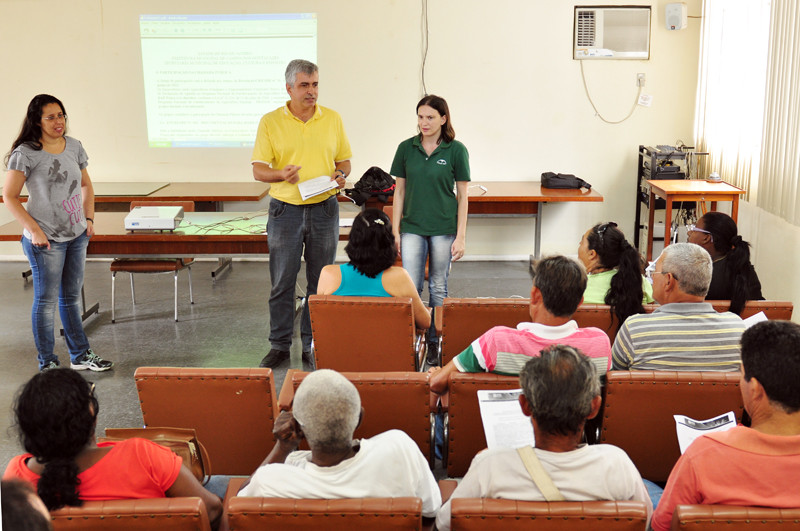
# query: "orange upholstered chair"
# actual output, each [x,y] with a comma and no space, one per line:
[487,514]
[638,409]
[175,514]
[365,333]
[730,518]
[232,410]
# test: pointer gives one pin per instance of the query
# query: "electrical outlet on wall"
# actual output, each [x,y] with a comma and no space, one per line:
[640,79]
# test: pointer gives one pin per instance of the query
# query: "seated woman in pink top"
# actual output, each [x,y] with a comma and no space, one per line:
[56,413]
[371,271]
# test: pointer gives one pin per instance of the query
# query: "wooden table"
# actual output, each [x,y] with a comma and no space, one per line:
[117,196]
[200,234]
[687,190]
[516,199]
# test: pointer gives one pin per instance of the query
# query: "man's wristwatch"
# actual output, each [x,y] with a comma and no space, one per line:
[340,172]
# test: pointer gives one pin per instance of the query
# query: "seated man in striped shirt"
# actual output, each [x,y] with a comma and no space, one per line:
[558,286]
[684,333]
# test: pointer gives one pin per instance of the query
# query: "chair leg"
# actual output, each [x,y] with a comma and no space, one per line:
[191,296]
[176,296]
[133,293]
[113,286]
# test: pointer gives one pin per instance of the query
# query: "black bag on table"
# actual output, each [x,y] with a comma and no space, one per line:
[374,183]
[563,181]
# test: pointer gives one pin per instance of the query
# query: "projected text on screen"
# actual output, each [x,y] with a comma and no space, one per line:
[208,79]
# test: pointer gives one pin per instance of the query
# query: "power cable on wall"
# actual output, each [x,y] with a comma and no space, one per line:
[424,24]
[596,112]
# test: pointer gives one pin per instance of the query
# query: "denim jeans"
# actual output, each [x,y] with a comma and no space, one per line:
[415,250]
[57,278]
[295,231]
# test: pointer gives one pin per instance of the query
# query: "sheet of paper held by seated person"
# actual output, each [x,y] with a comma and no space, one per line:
[316,186]
[690,429]
[504,423]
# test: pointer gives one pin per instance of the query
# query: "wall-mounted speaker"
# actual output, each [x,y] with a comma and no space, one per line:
[676,16]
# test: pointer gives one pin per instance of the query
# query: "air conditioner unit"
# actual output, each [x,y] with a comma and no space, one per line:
[618,32]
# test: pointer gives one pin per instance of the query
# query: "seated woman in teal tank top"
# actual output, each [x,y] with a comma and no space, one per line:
[371,271]
[615,272]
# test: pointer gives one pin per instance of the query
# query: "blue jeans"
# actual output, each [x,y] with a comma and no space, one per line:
[295,231]
[415,250]
[57,277]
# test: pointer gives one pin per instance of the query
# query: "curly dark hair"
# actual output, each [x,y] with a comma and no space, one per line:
[371,247]
[56,413]
[31,131]
[625,295]
[736,251]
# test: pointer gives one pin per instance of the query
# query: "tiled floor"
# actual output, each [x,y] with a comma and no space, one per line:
[228,326]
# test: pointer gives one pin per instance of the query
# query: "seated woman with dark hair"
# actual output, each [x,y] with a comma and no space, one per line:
[56,414]
[615,271]
[734,277]
[371,271]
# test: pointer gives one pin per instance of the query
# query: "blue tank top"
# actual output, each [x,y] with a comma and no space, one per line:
[356,284]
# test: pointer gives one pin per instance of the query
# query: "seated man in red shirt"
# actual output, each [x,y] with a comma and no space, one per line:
[558,286]
[756,466]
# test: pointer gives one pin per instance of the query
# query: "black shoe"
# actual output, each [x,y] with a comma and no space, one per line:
[432,357]
[308,359]
[274,358]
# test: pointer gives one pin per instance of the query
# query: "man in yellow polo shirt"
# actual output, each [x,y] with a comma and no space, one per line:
[295,143]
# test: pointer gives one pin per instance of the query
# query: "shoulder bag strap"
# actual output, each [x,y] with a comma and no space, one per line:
[538,474]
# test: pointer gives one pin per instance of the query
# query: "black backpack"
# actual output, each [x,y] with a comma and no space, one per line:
[563,180]
[374,183]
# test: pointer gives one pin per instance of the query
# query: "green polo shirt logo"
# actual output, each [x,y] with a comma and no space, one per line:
[441,162]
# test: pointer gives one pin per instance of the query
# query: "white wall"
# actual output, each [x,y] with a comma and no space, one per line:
[505,67]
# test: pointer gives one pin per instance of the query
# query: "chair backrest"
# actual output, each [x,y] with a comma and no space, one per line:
[232,410]
[731,518]
[391,400]
[363,333]
[638,409]
[599,315]
[488,514]
[464,320]
[256,514]
[774,310]
[188,206]
[464,429]
[176,514]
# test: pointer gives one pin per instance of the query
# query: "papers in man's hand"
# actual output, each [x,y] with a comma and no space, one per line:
[316,186]
[690,429]
[503,421]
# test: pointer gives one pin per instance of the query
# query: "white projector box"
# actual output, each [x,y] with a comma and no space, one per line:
[154,218]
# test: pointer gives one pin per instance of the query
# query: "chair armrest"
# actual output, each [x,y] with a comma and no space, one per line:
[286,396]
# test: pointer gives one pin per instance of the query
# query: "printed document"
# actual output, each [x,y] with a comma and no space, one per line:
[690,429]
[316,186]
[504,423]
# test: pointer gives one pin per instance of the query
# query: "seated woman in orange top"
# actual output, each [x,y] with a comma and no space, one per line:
[56,413]
[371,271]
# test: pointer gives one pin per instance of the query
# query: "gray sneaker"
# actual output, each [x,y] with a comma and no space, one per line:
[51,365]
[91,361]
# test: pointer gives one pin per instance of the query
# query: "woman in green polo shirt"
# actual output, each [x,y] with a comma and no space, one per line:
[430,220]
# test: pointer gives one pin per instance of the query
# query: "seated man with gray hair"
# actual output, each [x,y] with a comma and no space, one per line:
[560,391]
[684,333]
[326,411]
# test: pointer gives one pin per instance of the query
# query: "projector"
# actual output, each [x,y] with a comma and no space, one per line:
[154,218]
